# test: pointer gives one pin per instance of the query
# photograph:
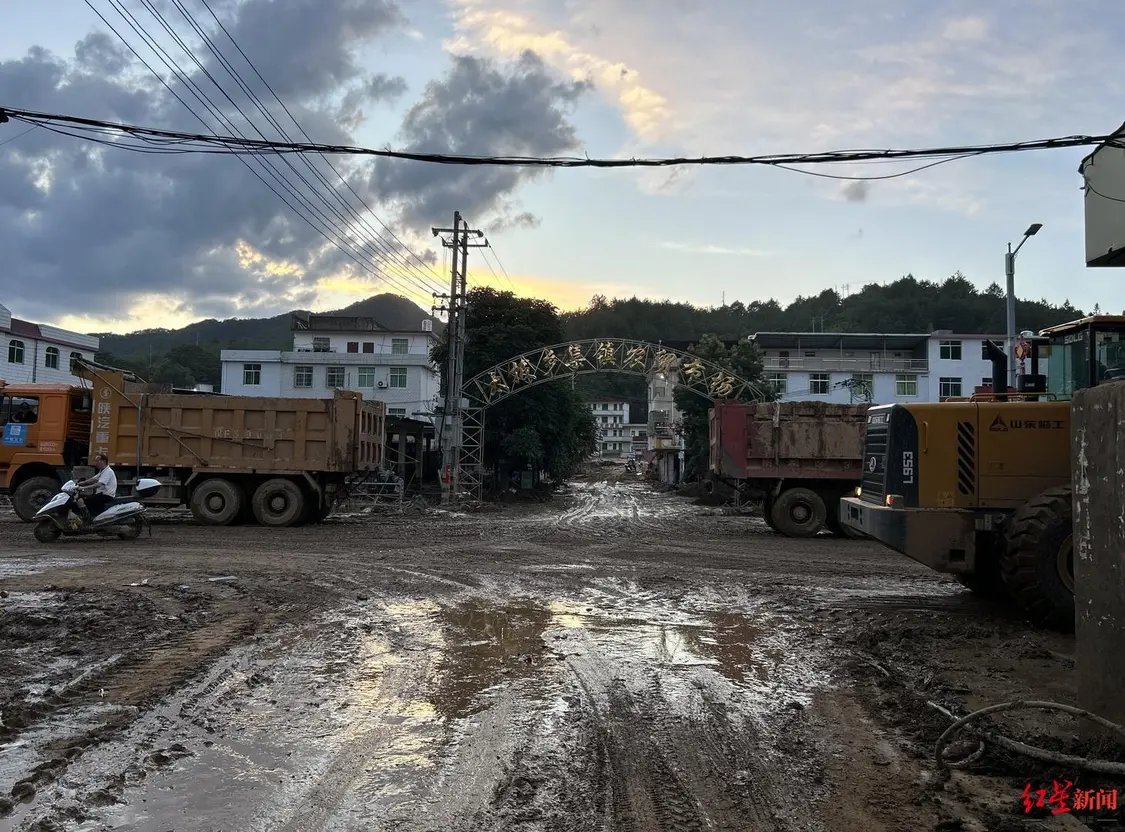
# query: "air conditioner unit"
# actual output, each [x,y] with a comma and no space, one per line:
[382,385]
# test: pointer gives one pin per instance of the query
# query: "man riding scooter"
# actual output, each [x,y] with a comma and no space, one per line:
[103,487]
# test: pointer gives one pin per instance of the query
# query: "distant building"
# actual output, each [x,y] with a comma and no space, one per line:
[665,441]
[881,368]
[612,420]
[335,352]
[40,353]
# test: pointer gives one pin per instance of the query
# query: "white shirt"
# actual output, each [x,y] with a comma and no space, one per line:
[107,482]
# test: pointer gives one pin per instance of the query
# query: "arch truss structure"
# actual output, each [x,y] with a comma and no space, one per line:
[576,358]
[605,355]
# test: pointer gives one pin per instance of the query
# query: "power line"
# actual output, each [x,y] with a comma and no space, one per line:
[266,165]
[241,144]
[341,229]
[428,269]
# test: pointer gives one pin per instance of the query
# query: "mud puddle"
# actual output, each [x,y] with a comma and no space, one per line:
[34,563]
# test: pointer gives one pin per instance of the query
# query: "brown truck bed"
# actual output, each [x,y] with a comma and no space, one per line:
[787,440]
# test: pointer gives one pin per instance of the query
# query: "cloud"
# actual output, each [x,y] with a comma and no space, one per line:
[509,33]
[88,230]
[690,248]
[856,191]
[478,108]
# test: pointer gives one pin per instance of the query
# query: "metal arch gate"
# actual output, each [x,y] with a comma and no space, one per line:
[575,358]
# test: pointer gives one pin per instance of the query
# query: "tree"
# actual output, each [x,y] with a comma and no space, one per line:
[743,360]
[550,425]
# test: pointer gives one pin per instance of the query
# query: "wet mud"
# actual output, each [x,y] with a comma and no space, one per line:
[616,659]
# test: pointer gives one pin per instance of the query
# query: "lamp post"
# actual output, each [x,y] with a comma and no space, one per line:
[1010,272]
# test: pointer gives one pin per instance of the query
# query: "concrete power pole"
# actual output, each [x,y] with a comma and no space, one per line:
[452,417]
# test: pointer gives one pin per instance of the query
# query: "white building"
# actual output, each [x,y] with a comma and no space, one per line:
[612,420]
[880,368]
[665,439]
[40,353]
[334,352]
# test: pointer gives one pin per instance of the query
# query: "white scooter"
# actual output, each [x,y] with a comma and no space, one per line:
[124,517]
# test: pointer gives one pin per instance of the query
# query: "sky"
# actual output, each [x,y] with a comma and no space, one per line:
[104,239]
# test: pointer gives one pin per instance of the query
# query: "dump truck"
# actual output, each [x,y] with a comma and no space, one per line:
[980,488]
[799,458]
[230,459]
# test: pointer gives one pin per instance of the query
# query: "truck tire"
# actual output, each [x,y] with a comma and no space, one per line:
[31,494]
[1038,564]
[217,502]
[798,512]
[279,502]
[767,513]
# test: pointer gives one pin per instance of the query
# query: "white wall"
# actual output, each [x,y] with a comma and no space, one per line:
[279,374]
[55,346]
[1104,177]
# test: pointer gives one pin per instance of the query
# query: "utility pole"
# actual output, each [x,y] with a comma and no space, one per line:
[452,418]
[1010,305]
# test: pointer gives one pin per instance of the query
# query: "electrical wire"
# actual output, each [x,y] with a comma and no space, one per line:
[321,223]
[427,270]
[240,145]
[18,135]
[341,229]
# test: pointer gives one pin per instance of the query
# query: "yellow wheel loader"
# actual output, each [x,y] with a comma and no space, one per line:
[980,488]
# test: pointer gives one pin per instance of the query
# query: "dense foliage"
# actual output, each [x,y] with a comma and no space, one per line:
[905,305]
[549,426]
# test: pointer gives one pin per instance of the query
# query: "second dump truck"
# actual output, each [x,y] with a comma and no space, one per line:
[230,459]
[799,458]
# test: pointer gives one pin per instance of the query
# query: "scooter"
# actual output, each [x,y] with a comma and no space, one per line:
[124,517]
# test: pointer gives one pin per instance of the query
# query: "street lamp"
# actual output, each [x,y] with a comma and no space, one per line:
[1010,271]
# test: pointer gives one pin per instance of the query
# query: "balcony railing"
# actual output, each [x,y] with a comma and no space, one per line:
[846,365]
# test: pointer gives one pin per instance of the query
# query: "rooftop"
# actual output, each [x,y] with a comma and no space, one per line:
[839,340]
[307,322]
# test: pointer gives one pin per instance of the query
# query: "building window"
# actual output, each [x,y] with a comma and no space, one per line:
[986,382]
[353,346]
[369,347]
[948,387]
[321,343]
[906,385]
[818,384]
[660,392]
[398,377]
[251,374]
[51,358]
[302,375]
[400,346]
[334,377]
[366,376]
[949,350]
[779,382]
[15,352]
[397,411]
[984,351]
[74,356]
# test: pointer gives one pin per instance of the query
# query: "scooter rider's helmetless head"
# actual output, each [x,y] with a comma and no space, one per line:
[101,461]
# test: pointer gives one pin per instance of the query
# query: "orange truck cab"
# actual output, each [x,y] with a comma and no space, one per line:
[45,434]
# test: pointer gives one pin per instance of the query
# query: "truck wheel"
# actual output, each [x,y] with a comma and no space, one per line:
[767,513]
[1038,566]
[47,532]
[32,494]
[799,512]
[217,502]
[279,502]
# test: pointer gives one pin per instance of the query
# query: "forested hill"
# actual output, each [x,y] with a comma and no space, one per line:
[906,305]
[189,355]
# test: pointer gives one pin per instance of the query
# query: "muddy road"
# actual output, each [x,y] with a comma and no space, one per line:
[614,660]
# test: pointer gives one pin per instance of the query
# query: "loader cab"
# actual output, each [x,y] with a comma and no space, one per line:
[1084,353]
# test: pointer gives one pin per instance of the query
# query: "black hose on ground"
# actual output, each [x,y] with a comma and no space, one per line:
[1100,766]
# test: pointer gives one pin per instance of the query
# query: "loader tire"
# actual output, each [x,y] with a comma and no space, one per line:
[32,494]
[217,502]
[279,502]
[1038,564]
[799,512]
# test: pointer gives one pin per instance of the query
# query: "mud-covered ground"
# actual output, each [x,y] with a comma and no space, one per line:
[613,660]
